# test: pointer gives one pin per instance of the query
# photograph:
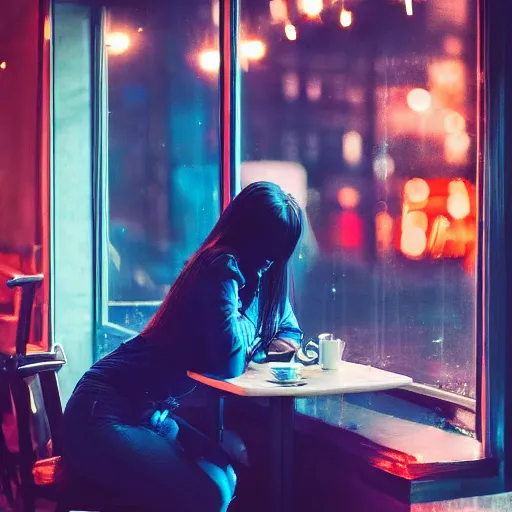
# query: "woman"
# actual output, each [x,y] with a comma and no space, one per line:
[228,305]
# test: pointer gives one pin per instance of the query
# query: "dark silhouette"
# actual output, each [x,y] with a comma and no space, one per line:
[229,305]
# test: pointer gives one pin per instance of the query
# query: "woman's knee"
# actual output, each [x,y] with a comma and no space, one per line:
[220,488]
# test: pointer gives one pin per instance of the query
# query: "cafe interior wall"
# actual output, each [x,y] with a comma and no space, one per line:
[24,170]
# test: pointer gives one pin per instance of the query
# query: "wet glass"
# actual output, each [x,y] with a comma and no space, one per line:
[163,175]
[366,111]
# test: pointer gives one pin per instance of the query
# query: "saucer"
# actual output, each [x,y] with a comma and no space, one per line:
[292,382]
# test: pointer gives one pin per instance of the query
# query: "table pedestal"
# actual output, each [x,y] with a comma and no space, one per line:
[282,412]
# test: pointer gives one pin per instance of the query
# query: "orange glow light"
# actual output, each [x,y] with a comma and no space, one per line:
[453,45]
[3,65]
[416,190]
[253,50]
[384,231]
[348,197]
[209,60]
[457,187]
[458,206]
[352,147]
[314,89]
[47,29]
[413,242]
[278,11]
[438,236]
[456,146]
[345,18]
[415,219]
[419,100]
[117,42]
[290,32]
[312,8]
[454,123]
[448,76]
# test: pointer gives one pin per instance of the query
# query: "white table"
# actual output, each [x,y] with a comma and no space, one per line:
[349,378]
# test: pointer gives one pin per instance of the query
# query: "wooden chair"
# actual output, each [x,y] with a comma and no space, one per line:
[34,374]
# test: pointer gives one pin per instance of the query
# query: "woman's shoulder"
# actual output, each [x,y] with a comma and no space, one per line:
[224,265]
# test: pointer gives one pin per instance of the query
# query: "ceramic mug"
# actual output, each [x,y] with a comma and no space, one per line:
[310,352]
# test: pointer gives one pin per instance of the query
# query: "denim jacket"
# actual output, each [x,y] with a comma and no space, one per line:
[232,330]
[212,334]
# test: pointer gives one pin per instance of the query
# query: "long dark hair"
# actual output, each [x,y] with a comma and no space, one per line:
[261,216]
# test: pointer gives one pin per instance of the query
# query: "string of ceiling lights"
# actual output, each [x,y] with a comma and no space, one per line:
[312,9]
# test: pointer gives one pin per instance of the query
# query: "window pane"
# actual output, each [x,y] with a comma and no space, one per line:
[366,111]
[162,149]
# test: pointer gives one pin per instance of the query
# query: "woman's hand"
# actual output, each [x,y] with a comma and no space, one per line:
[281,346]
[165,425]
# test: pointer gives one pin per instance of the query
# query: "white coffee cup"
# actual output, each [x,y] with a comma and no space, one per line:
[330,353]
[321,338]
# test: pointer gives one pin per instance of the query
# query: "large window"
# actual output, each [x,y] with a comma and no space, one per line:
[366,110]
[161,191]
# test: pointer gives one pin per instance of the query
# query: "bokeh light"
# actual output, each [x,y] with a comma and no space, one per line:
[209,60]
[352,147]
[253,50]
[312,8]
[290,32]
[413,242]
[457,187]
[416,190]
[454,123]
[458,206]
[415,219]
[117,42]
[419,100]
[348,197]
[345,18]
[278,10]
[314,89]
[456,146]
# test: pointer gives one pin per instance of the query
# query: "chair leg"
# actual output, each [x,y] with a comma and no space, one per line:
[21,395]
[8,471]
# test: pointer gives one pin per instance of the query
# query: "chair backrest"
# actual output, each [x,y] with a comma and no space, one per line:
[10,265]
[28,285]
[32,376]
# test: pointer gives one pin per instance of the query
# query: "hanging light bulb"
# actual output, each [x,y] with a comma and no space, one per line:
[408,7]
[290,32]
[311,8]
[345,18]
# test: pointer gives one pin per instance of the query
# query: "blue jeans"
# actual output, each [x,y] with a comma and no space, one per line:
[170,468]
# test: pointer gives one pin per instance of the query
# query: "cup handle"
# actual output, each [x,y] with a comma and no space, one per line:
[304,353]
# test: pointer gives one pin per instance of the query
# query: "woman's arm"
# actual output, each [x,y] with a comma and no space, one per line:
[289,335]
[229,334]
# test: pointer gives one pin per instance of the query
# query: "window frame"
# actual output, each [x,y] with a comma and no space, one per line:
[229,75]
[494,50]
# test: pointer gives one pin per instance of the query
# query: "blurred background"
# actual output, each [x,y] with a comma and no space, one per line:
[365,110]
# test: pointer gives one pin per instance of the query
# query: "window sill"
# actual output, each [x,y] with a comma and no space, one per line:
[403,448]
[389,459]
[408,443]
